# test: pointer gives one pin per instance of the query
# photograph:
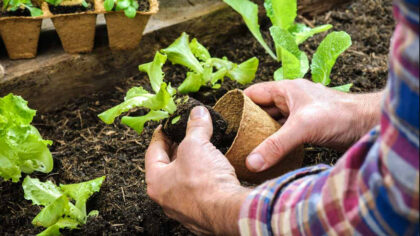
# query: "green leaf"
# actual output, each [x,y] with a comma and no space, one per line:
[180,53]
[343,88]
[199,50]
[175,120]
[52,213]
[154,71]
[40,193]
[249,12]
[162,100]
[303,32]
[110,115]
[245,72]
[326,55]
[218,76]
[282,13]
[109,5]
[22,148]
[85,4]
[35,12]
[53,230]
[137,123]
[295,62]
[192,83]
[123,4]
[130,12]
[81,192]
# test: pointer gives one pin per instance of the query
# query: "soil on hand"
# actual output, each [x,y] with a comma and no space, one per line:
[85,148]
[176,129]
[71,9]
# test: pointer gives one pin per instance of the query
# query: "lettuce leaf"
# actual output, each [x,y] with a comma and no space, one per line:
[326,55]
[137,123]
[249,12]
[295,62]
[22,148]
[180,53]
[245,72]
[199,50]
[343,88]
[282,13]
[302,32]
[192,83]
[154,71]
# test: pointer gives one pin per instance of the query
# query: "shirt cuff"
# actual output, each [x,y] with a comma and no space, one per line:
[255,216]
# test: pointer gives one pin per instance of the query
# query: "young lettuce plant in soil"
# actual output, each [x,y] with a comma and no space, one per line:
[288,35]
[69,6]
[172,107]
[129,7]
[64,205]
[22,149]
[19,8]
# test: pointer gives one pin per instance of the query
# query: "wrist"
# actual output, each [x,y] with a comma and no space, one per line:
[221,210]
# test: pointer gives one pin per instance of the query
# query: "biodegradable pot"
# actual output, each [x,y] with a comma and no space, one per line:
[253,125]
[76,31]
[20,36]
[125,33]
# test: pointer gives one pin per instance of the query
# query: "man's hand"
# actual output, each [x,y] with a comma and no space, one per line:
[315,114]
[195,183]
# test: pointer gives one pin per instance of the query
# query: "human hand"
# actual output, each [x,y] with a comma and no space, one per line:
[315,114]
[194,183]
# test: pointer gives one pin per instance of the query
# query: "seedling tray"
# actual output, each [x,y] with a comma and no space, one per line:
[76,30]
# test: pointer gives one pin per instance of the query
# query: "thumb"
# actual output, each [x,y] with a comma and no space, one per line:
[277,146]
[200,124]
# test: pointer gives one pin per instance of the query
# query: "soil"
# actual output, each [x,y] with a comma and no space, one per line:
[84,148]
[177,131]
[71,9]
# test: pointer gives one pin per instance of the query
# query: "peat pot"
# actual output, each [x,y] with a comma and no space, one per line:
[253,125]
[125,33]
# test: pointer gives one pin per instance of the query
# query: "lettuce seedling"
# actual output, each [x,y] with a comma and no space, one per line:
[205,70]
[287,36]
[22,148]
[59,212]
[129,7]
[14,5]
[58,2]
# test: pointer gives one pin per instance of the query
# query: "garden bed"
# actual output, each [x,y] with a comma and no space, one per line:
[85,148]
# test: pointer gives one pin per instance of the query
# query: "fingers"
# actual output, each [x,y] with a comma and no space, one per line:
[262,93]
[157,155]
[200,124]
[272,150]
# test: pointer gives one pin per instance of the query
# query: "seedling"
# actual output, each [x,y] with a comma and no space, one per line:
[22,148]
[164,103]
[129,7]
[14,5]
[59,212]
[288,35]
[68,3]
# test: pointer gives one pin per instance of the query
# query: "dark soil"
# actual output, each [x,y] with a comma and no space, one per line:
[177,131]
[71,9]
[85,148]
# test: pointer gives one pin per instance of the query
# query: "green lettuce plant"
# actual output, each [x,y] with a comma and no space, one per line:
[129,7]
[58,2]
[22,148]
[203,71]
[288,35]
[64,206]
[14,5]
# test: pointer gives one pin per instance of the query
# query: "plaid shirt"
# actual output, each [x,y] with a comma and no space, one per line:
[374,188]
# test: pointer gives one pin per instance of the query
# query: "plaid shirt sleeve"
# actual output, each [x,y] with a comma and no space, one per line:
[374,188]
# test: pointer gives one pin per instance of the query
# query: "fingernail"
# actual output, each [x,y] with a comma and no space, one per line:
[256,161]
[198,113]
